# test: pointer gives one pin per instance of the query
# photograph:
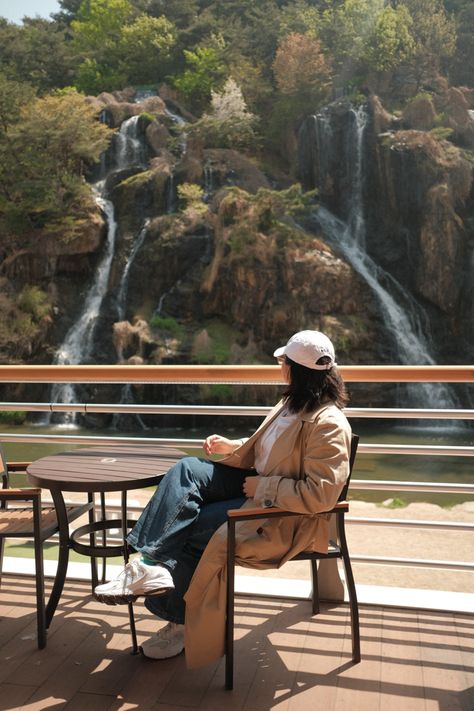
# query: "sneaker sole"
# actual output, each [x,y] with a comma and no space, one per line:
[126,599]
[159,659]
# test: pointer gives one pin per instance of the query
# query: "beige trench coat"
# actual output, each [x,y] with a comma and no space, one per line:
[305,472]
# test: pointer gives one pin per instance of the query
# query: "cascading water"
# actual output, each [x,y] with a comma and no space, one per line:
[128,146]
[403,316]
[208,181]
[122,291]
[77,346]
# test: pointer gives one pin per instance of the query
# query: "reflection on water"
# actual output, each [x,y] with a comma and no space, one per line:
[368,466]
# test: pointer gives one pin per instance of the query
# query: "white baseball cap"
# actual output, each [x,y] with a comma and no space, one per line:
[306,348]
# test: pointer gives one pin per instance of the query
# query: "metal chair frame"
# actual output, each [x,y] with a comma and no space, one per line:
[36,522]
[337,549]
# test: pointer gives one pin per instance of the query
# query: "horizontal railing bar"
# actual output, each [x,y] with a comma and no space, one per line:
[254,374]
[423,486]
[418,563]
[421,449]
[139,409]
[436,450]
[236,410]
[410,523]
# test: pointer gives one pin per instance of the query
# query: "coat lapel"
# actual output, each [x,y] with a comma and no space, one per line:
[285,444]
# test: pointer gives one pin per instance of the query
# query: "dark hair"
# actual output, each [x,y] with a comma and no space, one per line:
[309,388]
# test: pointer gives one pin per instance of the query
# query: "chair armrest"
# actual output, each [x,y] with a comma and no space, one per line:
[20,494]
[18,466]
[275,512]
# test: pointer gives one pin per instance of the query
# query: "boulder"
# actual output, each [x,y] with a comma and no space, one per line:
[157,135]
[419,114]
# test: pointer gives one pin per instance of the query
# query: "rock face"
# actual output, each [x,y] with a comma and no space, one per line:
[226,279]
[416,205]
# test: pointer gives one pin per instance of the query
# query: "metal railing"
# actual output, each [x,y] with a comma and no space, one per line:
[262,375]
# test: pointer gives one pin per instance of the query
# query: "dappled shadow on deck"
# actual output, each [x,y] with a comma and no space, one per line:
[285,659]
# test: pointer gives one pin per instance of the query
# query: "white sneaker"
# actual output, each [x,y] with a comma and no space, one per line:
[166,643]
[136,579]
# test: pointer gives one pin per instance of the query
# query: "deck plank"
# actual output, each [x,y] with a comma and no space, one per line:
[285,659]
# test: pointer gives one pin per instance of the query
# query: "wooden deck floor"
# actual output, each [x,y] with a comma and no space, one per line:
[285,659]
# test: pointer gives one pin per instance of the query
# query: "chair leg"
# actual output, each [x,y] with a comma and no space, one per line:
[314,576]
[354,607]
[131,614]
[229,631]
[39,576]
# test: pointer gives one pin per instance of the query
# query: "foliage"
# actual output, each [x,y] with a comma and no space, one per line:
[205,71]
[25,317]
[216,348]
[434,36]
[228,124]
[192,196]
[268,212]
[118,46]
[163,323]
[300,67]
[344,30]
[12,417]
[461,71]
[43,155]
[390,42]
[36,52]
[32,300]
[442,132]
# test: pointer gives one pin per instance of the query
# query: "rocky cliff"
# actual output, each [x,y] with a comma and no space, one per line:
[226,277]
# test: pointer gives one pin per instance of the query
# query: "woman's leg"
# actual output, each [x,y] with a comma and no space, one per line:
[171,606]
[162,530]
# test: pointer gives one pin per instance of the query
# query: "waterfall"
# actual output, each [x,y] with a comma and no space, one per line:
[122,292]
[180,122]
[208,181]
[171,196]
[126,398]
[77,345]
[128,146]
[403,316]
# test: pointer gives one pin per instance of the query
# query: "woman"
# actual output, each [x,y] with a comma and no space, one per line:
[298,459]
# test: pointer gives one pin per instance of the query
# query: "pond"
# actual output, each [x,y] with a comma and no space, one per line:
[368,466]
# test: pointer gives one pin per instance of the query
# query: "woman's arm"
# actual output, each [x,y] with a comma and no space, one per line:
[326,468]
[217,444]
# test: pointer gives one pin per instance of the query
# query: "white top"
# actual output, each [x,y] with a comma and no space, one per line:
[264,444]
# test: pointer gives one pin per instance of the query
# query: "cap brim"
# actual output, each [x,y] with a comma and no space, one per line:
[279,352]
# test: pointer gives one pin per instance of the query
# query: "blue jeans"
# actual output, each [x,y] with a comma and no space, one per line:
[188,506]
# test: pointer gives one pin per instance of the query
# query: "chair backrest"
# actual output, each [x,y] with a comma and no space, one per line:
[352,456]
[4,475]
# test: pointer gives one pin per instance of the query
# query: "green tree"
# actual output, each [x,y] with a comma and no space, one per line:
[43,155]
[344,30]
[461,68]
[145,46]
[228,123]
[36,52]
[119,46]
[391,41]
[205,71]
[434,35]
[97,32]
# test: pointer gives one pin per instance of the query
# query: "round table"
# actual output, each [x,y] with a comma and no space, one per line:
[96,470]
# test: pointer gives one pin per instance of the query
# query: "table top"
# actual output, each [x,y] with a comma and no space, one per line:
[107,468]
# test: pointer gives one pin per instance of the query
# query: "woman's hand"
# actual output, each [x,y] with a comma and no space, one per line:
[250,486]
[216,444]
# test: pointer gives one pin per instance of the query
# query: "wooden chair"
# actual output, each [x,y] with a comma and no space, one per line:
[30,520]
[337,549]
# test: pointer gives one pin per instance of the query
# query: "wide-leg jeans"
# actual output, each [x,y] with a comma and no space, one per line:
[188,506]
